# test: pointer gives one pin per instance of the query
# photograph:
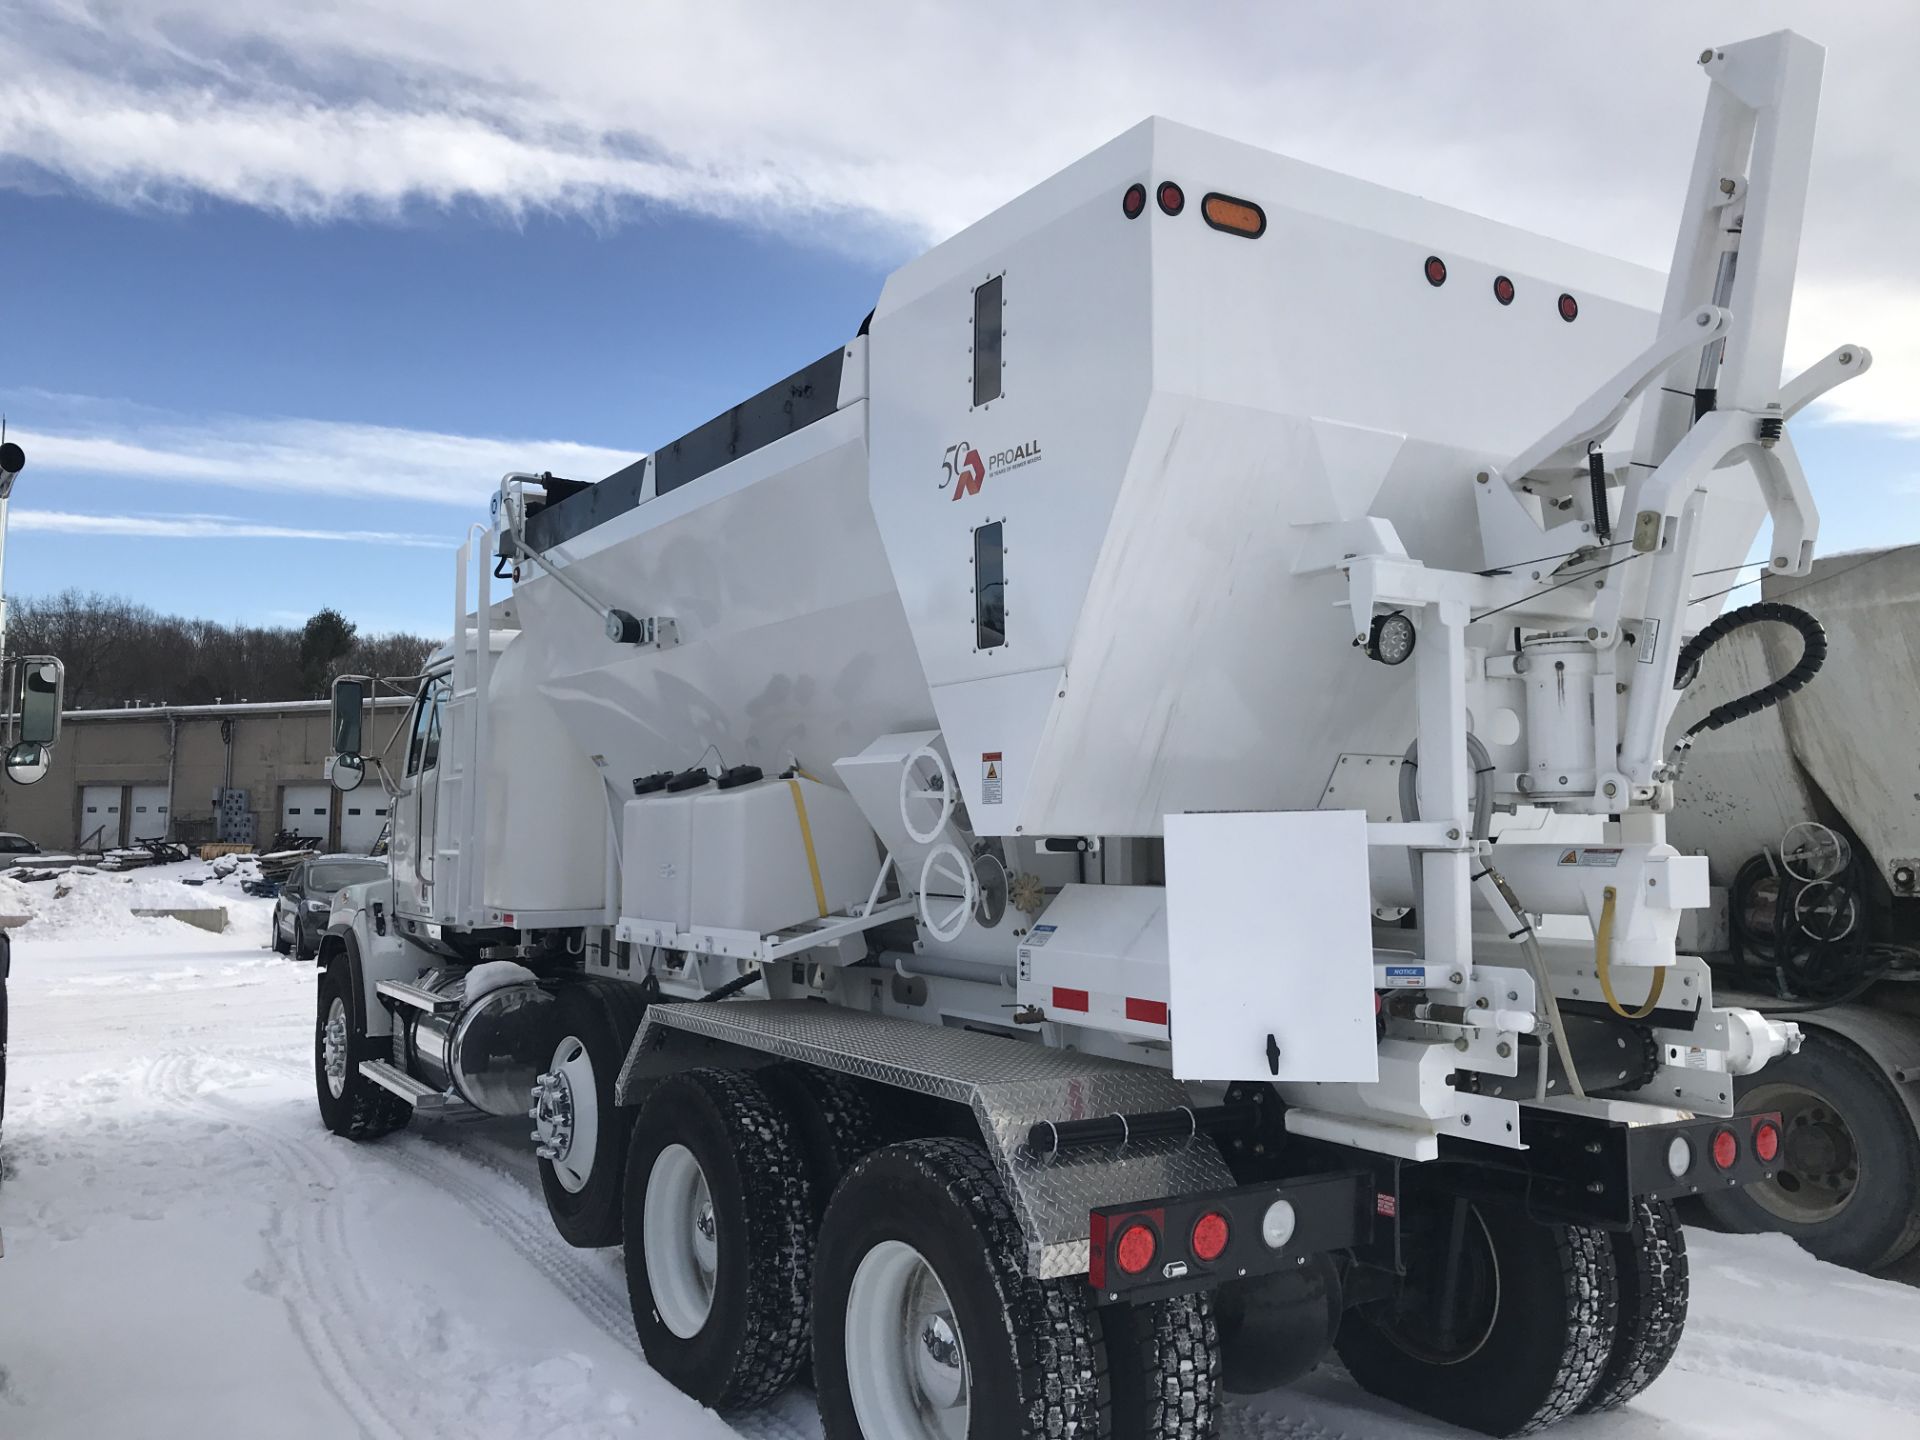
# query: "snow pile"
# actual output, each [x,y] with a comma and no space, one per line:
[85,904]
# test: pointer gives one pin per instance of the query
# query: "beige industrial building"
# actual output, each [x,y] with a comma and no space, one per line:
[199,773]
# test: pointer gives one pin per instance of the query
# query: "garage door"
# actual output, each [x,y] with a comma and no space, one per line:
[99,817]
[362,813]
[147,812]
[307,811]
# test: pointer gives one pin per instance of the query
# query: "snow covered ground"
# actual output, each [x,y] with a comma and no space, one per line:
[190,1255]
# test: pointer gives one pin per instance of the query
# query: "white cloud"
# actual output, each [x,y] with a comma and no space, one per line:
[294,455]
[202,527]
[920,117]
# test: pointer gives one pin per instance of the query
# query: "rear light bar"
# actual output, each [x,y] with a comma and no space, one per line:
[1187,1242]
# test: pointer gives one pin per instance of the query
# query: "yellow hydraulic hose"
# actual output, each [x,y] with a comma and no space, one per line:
[1603,963]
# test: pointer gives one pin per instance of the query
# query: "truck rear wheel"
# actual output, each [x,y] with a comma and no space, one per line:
[1650,1273]
[1164,1358]
[581,1133]
[350,1104]
[1516,1339]
[927,1324]
[1847,1186]
[719,1244]
[832,1119]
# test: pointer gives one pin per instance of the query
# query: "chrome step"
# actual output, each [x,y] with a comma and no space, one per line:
[415,1093]
[419,997]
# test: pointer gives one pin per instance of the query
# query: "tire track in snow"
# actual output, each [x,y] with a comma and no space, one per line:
[312,1250]
[1800,1365]
[475,1176]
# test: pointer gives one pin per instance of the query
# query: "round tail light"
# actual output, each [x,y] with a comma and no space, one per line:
[1503,289]
[1210,1234]
[1172,198]
[1136,1247]
[1766,1141]
[1436,270]
[1134,201]
[1726,1149]
[1569,309]
[1679,1156]
[1276,1226]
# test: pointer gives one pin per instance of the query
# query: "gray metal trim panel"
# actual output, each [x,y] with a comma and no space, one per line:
[1008,1084]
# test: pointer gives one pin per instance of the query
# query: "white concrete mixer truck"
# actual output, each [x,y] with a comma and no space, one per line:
[1008,865]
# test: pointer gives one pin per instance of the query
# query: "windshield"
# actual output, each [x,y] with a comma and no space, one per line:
[344,872]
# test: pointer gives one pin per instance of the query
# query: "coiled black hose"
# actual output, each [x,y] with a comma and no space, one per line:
[1813,654]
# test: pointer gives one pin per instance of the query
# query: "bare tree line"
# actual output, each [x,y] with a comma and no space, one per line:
[116,651]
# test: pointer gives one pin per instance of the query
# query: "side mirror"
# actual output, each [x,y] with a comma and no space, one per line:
[349,695]
[43,682]
[348,771]
[27,763]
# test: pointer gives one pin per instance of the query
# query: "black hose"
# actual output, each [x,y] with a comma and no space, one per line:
[1813,654]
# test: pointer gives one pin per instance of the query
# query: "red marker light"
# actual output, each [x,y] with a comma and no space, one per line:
[1172,198]
[1210,1234]
[1726,1149]
[1569,309]
[1136,1247]
[1436,271]
[1766,1141]
[1503,289]
[1134,201]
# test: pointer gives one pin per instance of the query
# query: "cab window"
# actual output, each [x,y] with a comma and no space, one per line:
[423,749]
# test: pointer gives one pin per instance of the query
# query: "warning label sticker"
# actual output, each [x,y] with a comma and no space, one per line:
[1591,855]
[1406,976]
[993,773]
[1039,936]
[1649,640]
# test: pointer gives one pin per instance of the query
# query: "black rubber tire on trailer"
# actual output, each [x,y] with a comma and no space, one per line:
[1846,1109]
[1164,1359]
[360,1110]
[1035,1359]
[833,1122]
[600,1017]
[1650,1275]
[1540,1313]
[749,1344]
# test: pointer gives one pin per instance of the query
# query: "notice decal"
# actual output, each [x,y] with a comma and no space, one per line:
[1406,976]
[1591,856]
[993,774]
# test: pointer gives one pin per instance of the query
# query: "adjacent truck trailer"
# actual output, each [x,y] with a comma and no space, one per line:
[1809,817]
[1008,866]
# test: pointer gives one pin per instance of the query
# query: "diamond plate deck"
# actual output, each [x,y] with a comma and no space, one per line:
[1008,1084]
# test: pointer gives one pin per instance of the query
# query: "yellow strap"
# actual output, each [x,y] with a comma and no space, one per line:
[806,837]
[1603,958]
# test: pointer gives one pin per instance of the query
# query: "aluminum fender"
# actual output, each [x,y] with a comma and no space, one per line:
[373,956]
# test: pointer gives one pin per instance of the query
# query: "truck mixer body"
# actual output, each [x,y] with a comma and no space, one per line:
[1069,726]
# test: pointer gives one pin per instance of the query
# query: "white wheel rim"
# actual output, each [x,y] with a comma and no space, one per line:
[333,1048]
[681,1241]
[566,1114]
[948,892]
[927,789]
[906,1357]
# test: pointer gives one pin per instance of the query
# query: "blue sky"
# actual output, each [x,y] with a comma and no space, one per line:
[284,288]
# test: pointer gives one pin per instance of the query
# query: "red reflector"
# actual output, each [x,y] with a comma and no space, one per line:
[1134,201]
[1210,1235]
[1134,1251]
[1065,999]
[1726,1149]
[1569,309]
[506,919]
[1766,1141]
[1147,1012]
[1503,289]
[1436,270]
[1172,198]
[1097,1250]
